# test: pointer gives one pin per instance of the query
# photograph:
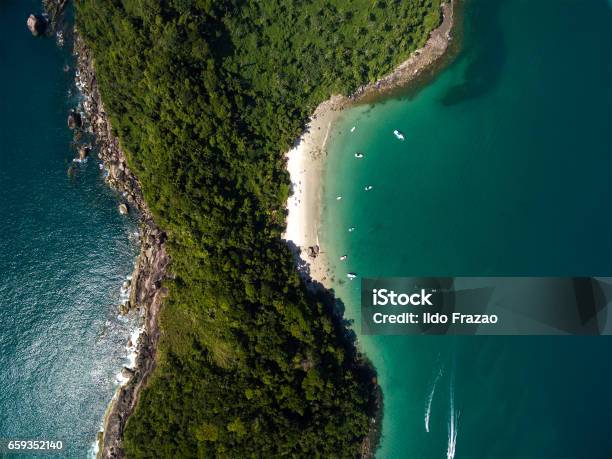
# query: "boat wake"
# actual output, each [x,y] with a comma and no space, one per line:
[453,422]
[430,398]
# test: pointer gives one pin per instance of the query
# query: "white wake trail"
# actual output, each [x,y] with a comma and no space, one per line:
[453,422]
[430,400]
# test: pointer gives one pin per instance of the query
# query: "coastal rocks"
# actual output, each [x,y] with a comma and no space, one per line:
[74,120]
[83,152]
[435,47]
[54,13]
[313,251]
[127,373]
[125,308]
[146,291]
[37,24]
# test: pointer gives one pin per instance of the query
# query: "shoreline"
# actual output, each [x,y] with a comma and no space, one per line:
[306,166]
[146,292]
[306,160]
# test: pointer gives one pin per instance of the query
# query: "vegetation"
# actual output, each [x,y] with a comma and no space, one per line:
[206,97]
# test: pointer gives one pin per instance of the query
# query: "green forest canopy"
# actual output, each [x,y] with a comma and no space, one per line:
[206,97]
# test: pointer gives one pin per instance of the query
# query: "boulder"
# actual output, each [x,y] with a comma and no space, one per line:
[74,120]
[83,152]
[127,372]
[36,24]
[313,251]
[123,209]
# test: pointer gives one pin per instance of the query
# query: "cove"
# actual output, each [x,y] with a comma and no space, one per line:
[505,170]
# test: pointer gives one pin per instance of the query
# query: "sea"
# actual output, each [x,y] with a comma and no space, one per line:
[505,170]
[65,252]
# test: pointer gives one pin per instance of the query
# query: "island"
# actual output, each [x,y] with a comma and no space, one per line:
[195,105]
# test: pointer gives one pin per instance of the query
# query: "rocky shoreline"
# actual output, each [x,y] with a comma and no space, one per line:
[146,290]
[422,59]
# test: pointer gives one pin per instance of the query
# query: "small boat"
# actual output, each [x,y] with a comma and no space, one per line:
[343,257]
[351,276]
[358,155]
[398,134]
[351,229]
[353,129]
[338,198]
[368,188]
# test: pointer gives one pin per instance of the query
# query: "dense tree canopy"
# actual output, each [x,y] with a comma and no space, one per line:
[206,97]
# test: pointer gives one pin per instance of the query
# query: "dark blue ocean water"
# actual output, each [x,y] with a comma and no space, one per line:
[64,252]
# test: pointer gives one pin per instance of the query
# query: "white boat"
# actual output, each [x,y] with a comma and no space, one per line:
[351,276]
[343,257]
[368,188]
[358,155]
[338,198]
[351,229]
[398,134]
[353,129]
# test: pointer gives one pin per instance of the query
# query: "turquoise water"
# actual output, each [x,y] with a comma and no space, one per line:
[64,253]
[505,170]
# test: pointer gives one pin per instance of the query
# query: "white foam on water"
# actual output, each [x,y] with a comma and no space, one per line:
[133,349]
[430,399]
[93,450]
[453,422]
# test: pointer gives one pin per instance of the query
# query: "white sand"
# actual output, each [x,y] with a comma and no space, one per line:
[305,162]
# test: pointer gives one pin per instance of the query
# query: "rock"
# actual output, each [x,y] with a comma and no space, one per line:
[36,24]
[74,120]
[124,309]
[127,372]
[123,209]
[313,251]
[83,152]
[129,342]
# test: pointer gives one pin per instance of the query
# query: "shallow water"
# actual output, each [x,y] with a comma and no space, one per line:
[64,253]
[505,170]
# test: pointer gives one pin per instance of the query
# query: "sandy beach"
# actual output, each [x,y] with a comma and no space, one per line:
[306,161]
